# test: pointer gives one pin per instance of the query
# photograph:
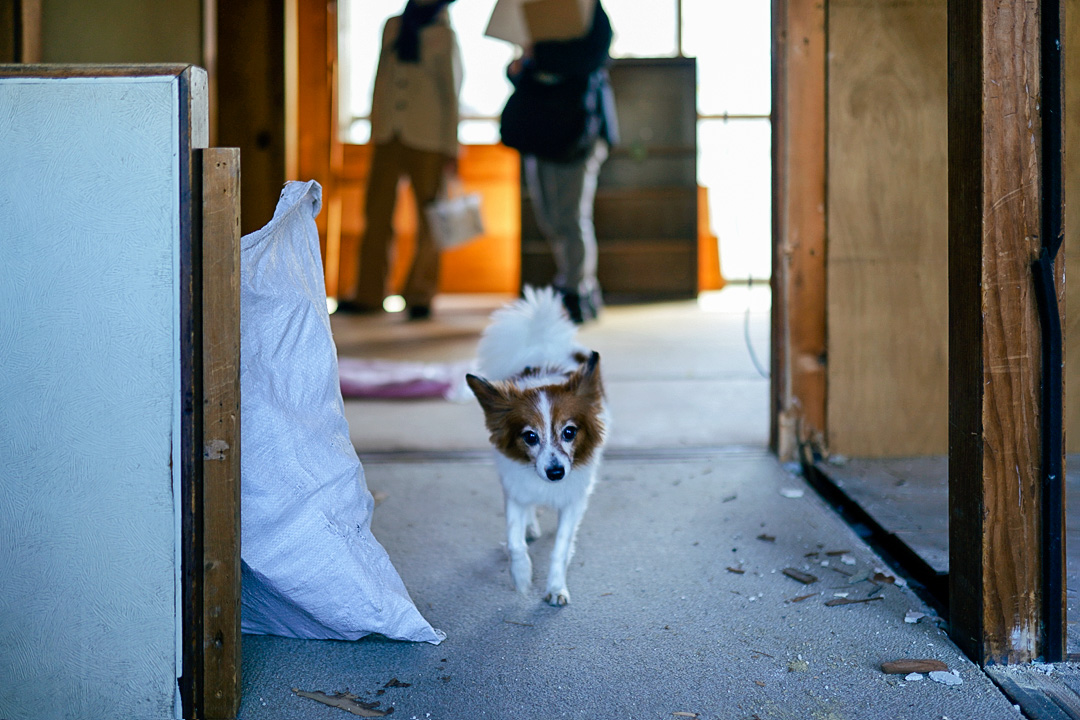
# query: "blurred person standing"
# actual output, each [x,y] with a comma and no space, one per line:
[562,119]
[414,123]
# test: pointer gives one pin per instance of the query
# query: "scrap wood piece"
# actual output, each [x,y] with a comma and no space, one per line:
[766,537]
[804,578]
[345,701]
[395,683]
[906,666]
[851,601]
[800,598]
[737,571]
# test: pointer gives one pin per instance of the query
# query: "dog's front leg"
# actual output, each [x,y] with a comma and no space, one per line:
[569,519]
[518,517]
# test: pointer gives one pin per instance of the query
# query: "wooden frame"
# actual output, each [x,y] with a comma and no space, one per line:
[221,641]
[999,192]
[20,31]
[797,374]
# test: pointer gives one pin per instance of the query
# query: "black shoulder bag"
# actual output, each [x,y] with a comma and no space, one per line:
[558,121]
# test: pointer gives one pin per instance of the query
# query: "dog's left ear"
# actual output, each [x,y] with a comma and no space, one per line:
[590,385]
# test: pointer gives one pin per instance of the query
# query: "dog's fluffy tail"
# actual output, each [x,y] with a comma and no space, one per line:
[532,332]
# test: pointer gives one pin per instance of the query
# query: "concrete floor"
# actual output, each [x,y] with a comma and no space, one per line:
[658,626]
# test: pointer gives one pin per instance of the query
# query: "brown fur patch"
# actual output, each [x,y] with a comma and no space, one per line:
[508,410]
[580,401]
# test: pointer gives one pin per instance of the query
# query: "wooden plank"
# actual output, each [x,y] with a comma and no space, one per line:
[250,99]
[221,432]
[887,304]
[994,361]
[10,32]
[798,279]
[194,134]
[1041,696]
[30,31]
[314,27]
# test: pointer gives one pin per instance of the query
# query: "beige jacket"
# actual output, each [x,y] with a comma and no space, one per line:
[418,102]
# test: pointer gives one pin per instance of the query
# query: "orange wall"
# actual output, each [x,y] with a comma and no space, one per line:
[490,264]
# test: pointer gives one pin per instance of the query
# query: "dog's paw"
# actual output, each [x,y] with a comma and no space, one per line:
[557,598]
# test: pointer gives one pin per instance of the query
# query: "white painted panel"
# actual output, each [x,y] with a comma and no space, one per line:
[89,231]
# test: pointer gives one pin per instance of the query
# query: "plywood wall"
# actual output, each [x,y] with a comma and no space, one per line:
[1072,226]
[887,228]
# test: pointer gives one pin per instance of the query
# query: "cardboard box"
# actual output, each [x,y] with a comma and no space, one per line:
[558,19]
[524,22]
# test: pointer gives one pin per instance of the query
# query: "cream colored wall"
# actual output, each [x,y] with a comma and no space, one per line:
[122,31]
[887,253]
[1072,226]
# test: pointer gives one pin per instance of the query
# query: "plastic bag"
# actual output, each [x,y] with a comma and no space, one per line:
[454,219]
[311,567]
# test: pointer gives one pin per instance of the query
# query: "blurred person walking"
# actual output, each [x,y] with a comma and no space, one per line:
[562,119]
[414,122]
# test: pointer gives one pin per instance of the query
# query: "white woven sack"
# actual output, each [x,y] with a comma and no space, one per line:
[311,567]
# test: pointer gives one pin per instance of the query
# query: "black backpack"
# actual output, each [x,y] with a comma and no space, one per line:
[558,121]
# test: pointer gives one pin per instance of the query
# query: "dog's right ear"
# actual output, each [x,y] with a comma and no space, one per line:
[491,399]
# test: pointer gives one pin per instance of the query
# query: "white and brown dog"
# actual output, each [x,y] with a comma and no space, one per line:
[544,407]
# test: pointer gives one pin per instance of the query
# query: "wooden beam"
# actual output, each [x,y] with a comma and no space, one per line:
[221,432]
[799,224]
[250,99]
[20,31]
[996,133]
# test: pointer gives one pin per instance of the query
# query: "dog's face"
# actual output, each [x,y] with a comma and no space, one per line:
[553,427]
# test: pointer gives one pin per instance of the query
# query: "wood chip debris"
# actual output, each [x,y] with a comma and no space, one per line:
[905,666]
[851,601]
[737,571]
[395,683]
[804,578]
[347,702]
[800,598]
[766,537]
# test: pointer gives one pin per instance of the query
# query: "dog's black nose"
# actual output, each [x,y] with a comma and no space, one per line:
[556,472]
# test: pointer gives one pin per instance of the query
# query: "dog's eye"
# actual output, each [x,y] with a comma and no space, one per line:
[530,437]
[569,433]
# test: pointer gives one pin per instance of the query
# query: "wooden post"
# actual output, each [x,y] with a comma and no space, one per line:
[997,603]
[221,432]
[798,276]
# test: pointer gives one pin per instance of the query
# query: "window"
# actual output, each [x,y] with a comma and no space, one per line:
[729,38]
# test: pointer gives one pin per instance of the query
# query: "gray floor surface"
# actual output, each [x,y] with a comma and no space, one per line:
[680,607]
